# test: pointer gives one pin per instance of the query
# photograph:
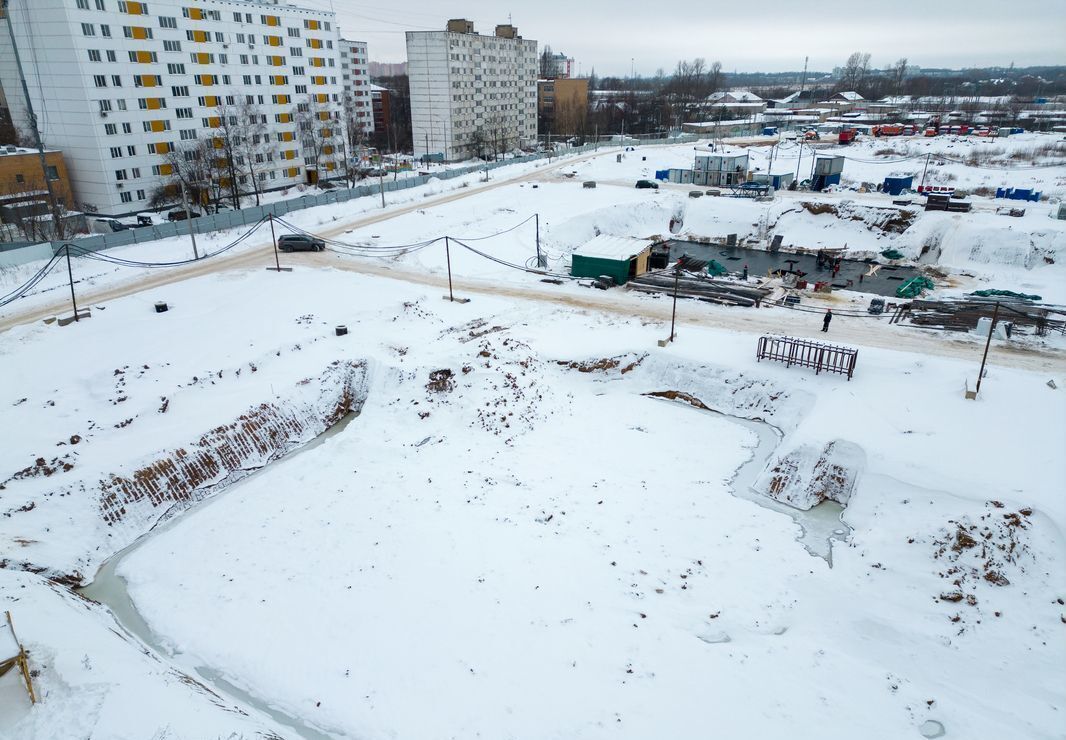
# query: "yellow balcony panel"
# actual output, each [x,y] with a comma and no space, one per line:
[154,103]
[195,14]
[166,169]
[162,147]
[272,20]
[318,62]
[323,115]
[318,80]
[158,125]
[135,8]
[314,43]
[214,122]
[273,40]
[276,61]
[143,57]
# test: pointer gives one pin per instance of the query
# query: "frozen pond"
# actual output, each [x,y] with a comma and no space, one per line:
[883,283]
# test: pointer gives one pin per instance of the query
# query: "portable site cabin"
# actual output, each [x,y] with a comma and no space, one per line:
[715,169]
[621,257]
[777,182]
[896,185]
[826,172]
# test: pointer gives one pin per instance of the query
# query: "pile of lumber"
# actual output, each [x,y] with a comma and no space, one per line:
[964,315]
[701,287]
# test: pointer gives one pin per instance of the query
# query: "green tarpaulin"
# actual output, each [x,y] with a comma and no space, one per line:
[1005,294]
[914,287]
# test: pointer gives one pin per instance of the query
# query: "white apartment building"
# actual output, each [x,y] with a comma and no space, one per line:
[355,76]
[116,84]
[471,94]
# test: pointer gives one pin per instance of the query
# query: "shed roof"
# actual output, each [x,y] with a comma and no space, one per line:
[609,247]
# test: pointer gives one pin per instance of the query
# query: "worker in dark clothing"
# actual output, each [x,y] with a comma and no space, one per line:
[826,319]
[745,272]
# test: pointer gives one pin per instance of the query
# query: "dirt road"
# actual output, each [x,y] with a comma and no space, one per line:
[262,254]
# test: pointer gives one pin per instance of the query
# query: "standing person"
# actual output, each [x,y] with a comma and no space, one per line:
[826,319]
[745,272]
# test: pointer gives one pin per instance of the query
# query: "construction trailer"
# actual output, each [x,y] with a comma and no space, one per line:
[619,257]
[826,172]
[717,169]
[777,182]
[896,185]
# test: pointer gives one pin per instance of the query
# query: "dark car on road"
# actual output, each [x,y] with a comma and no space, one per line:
[300,243]
[647,185]
[179,214]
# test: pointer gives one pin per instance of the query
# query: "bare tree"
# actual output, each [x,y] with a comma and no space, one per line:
[317,130]
[899,73]
[226,140]
[192,165]
[256,149]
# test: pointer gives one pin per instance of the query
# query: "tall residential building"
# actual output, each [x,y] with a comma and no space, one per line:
[471,94]
[355,76]
[118,85]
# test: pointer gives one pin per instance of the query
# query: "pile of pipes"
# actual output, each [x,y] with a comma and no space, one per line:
[964,315]
[700,286]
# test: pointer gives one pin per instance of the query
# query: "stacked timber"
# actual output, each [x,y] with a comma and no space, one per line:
[701,287]
[963,316]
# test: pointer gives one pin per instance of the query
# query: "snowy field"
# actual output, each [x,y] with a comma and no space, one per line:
[526,545]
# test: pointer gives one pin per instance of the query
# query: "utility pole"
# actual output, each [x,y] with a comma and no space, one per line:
[799,159]
[541,262]
[988,342]
[673,314]
[274,241]
[448,257]
[56,224]
[70,276]
[381,184]
[803,82]
[188,219]
[926,169]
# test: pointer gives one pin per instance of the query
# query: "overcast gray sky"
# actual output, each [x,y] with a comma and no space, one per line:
[750,35]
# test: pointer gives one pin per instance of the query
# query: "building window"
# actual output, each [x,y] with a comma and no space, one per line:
[110,129]
[140,195]
[126,197]
[183,112]
[88,29]
[120,174]
[131,150]
[127,128]
[100,80]
[100,5]
[105,30]
[83,4]
[94,55]
[180,91]
[135,173]
[166,21]
[188,134]
[176,69]
[116,80]
[116,152]
[111,56]
[171,46]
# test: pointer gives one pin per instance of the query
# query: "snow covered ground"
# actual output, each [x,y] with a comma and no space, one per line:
[526,545]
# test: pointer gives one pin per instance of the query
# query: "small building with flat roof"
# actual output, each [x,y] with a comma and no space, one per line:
[620,257]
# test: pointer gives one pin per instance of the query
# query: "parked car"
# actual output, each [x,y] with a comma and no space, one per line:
[647,185]
[107,226]
[144,219]
[179,214]
[326,185]
[300,243]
